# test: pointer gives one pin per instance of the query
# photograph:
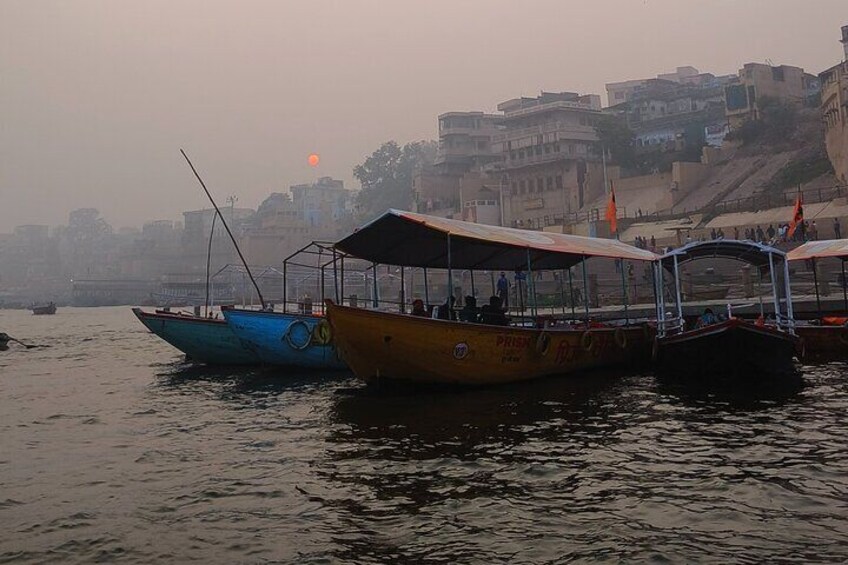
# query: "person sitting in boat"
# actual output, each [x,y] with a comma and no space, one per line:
[469,312]
[493,314]
[418,308]
[446,310]
[707,318]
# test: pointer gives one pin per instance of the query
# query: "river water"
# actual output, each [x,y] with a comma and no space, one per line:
[113,450]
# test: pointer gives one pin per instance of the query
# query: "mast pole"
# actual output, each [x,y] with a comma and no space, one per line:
[230,233]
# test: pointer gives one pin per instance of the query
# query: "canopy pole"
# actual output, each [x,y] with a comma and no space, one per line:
[585,290]
[787,289]
[341,282]
[285,285]
[321,295]
[661,289]
[492,280]
[777,313]
[562,290]
[426,289]
[473,292]
[335,276]
[450,273]
[534,310]
[571,294]
[376,300]
[816,284]
[677,288]
[402,291]
[654,288]
[624,295]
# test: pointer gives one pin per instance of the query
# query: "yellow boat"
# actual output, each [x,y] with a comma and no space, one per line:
[380,345]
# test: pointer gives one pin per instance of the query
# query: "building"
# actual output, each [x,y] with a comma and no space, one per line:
[756,81]
[550,165]
[465,141]
[278,230]
[322,204]
[620,92]
[670,115]
[834,106]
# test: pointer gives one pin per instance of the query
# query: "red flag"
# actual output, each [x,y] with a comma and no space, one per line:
[797,214]
[611,215]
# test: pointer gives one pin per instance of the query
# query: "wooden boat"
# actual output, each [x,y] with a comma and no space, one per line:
[282,339]
[732,348]
[203,340]
[45,310]
[827,338]
[381,345]
[4,341]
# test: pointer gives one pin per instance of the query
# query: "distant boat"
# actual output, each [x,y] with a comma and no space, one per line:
[46,310]
[203,340]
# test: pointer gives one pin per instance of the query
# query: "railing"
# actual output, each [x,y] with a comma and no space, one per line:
[765,200]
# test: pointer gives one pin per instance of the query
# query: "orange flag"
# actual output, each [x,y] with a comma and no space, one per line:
[611,215]
[797,215]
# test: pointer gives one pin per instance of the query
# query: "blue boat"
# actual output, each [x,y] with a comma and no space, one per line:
[290,340]
[203,340]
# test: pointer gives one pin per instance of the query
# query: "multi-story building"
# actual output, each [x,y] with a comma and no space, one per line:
[834,105]
[322,204]
[620,92]
[757,81]
[550,164]
[278,230]
[465,141]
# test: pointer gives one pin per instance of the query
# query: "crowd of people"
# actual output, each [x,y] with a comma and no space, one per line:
[492,313]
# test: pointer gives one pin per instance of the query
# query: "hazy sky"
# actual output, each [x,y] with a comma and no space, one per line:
[97,97]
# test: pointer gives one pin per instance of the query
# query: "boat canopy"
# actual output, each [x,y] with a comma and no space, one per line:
[416,240]
[820,249]
[751,252]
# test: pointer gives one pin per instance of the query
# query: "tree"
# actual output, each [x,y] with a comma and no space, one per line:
[617,139]
[386,176]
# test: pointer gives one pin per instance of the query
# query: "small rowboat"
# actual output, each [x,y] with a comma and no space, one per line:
[203,340]
[46,310]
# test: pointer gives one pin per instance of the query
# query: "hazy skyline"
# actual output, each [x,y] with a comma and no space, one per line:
[98,97]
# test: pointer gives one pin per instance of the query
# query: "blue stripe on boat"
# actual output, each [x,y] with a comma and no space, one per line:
[283,339]
[202,339]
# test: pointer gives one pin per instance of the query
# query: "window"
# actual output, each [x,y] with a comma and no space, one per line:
[550,183]
[547,148]
[512,155]
[521,154]
[539,185]
[777,74]
[559,181]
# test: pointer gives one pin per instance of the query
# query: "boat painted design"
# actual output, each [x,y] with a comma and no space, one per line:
[387,346]
[283,339]
[732,348]
[203,340]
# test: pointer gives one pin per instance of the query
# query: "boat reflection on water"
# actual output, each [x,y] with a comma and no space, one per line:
[734,395]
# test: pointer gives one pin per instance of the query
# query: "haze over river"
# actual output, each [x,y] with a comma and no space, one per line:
[113,449]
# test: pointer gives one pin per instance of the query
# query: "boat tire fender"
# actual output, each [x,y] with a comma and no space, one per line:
[322,334]
[587,341]
[291,340]
[620,338]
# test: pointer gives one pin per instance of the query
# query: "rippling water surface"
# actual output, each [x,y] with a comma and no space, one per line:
[112,449]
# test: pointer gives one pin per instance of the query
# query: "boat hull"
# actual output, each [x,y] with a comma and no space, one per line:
[203,340]
[732,349]
[283,339]
[823,343]
[385,346]
[48,310]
